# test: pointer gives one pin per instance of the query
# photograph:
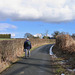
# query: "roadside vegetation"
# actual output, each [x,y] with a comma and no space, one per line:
[10,50]
[5,39]
[64,49]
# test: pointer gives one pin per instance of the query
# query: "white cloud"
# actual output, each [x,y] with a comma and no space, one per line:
[5,26]
[42,10]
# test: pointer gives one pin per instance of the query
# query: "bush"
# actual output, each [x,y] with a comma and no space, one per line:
[65,48]
[65,42]
[10,49]
[5,35]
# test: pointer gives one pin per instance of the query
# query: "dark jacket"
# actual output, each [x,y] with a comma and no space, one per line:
[25,45]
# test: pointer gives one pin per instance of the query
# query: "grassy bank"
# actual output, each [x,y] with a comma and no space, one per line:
[64,49]
[6,39]
[12,50]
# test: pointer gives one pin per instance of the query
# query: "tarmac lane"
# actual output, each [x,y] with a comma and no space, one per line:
[39,63]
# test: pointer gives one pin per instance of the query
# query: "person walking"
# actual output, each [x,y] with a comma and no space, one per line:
[27,47]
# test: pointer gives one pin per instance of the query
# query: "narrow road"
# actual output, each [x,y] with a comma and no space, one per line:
[38,64]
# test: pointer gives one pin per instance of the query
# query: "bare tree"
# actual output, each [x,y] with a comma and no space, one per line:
[46,34]
[73,35]
[55,34]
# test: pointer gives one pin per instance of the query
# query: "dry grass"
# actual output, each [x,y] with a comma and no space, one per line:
[65,43]
[65,49]
[11,49]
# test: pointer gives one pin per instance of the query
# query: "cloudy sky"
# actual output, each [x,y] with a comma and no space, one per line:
[36,16]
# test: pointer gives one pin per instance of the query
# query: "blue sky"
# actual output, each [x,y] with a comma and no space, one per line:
[34,27]
[18,17]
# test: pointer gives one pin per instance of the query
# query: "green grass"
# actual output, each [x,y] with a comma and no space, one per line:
[6,39]
[60,69]
[40,46]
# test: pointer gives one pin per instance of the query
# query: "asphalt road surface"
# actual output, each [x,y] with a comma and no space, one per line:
[39,63]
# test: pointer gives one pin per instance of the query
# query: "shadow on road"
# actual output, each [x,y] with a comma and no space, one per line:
[37,65]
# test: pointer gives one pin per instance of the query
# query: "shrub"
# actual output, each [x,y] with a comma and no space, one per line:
[5,35]
[65,42]
[65,48]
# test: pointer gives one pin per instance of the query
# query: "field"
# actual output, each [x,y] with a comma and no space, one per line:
[5,39]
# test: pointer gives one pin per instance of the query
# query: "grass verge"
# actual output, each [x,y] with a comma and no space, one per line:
[19,58]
